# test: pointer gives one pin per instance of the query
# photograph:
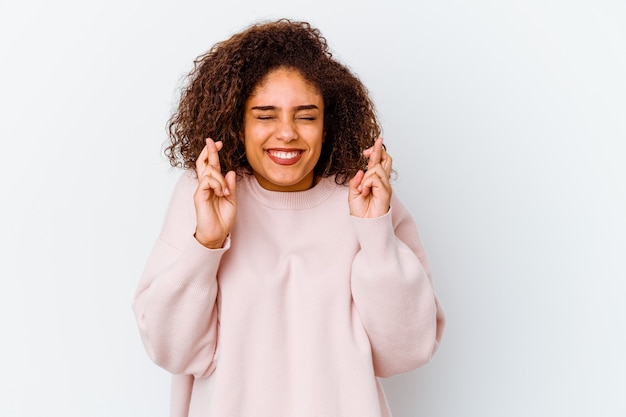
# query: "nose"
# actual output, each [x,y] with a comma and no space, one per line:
[286,130]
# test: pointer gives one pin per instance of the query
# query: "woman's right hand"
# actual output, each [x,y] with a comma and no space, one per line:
[214,199]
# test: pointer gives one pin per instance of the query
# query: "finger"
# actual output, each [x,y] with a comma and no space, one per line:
[386,161]
[376,177]
[212,150]
[355,183]
[376,152]
[217,184]
[231,183]
[201,161]
[213,179]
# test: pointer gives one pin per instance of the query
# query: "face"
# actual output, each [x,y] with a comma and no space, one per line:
[284,131]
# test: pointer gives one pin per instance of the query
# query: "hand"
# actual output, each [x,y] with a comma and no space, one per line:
[214,199]
[370,192]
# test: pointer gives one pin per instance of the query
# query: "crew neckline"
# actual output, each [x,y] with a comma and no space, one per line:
[291,200]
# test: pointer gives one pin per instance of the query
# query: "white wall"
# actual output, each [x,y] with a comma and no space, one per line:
[507,121]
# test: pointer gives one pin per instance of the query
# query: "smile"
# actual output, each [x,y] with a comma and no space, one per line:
[285,157]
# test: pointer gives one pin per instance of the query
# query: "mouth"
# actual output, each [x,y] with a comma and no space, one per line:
[285,156]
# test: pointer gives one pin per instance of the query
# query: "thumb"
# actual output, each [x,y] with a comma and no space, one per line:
[231,183]
[355,184]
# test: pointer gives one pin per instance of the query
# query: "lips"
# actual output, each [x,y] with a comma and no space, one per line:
[285,156]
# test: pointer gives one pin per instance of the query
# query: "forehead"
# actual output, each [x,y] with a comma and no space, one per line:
[285,82]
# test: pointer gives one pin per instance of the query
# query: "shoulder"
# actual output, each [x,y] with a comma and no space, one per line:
[188,178]
[186,184]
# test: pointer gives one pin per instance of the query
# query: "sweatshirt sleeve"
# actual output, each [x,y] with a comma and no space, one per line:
[175,302]
[393,292]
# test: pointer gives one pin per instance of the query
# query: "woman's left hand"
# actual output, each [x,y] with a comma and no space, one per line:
[370,191]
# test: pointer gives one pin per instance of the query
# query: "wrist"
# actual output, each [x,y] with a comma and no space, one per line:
[209,243]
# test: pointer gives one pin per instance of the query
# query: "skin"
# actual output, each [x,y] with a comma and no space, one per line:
[283,114]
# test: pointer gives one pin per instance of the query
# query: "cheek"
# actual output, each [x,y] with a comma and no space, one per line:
[316,134]
[250,138]
[320,140]
[257,132]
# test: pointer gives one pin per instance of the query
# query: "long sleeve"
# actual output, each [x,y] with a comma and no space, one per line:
[393,292]
[310,304]
[175,303]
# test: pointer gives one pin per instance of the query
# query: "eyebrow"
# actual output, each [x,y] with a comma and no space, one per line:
[303,107]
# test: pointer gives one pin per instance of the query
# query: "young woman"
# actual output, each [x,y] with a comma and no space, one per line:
[287,277]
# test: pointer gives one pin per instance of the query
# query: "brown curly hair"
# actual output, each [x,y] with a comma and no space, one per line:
[212,104]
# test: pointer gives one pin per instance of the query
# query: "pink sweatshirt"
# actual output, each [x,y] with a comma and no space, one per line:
[298,314]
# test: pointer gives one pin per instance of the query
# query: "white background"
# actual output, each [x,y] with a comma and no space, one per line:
[507,122]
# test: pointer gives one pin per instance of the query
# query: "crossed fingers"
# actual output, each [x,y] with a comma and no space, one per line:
[209,171]
[378,168]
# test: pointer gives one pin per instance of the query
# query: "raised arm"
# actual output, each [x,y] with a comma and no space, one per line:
[393,293]
[175,303]
[391,283]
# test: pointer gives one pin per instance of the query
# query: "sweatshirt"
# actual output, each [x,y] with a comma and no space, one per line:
[300,312]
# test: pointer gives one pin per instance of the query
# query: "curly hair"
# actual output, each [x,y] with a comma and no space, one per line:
[213,102]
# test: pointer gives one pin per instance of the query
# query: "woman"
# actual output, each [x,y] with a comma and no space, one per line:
[287,277]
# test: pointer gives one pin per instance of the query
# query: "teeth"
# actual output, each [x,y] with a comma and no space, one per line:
[284,155]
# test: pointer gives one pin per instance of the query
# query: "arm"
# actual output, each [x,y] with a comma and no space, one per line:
[175,303]
[391,285]
[393,292]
